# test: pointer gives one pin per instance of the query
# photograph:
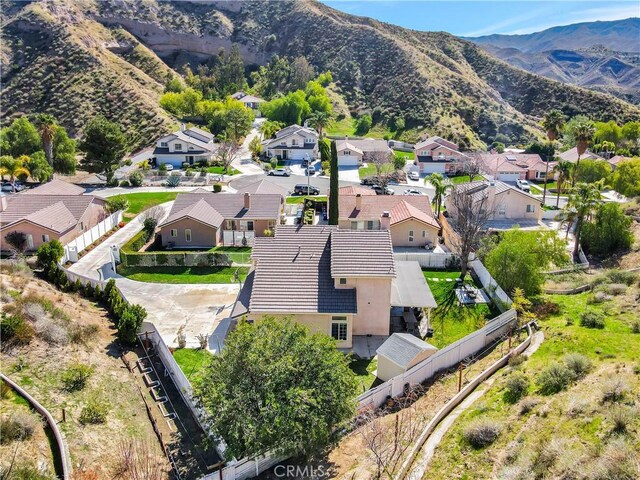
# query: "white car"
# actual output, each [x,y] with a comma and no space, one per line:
[413,175]
[7,187]
[280,172]
[169,167]
[523,185]
[413,191]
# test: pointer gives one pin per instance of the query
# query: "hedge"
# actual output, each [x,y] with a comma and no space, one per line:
[174,259]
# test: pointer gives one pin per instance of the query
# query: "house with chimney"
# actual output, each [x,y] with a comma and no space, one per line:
[509,167]
[207,219]
[187,145]
[437,155]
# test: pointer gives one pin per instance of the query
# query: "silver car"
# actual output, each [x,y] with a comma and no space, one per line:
[413,175]
[280,172]
[413,191]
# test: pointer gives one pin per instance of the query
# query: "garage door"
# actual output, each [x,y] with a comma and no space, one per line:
[432,167]
[508,177]
[347,161]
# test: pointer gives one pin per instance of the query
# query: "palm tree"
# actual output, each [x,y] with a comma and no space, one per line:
[441,186]
[583,132]
[584,199]
[553,123]
[47,128]
[12,167]
[564,169]
[319,121]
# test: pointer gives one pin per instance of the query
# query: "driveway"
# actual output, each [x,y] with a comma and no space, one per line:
[349,174]
[243,161]
[193,309]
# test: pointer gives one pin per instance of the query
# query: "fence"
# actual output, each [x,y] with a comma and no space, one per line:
[235,238]
[448,233]
[444,359]
[183,259]
[582,265]
[90,236]
[428,260]
[497,294]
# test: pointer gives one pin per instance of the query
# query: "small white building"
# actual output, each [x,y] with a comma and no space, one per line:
[190,145]
[293,143]
[399,353]
[353,152]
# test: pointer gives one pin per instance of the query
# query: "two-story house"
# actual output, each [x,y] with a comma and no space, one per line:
[206,220]
[293,143]
[509,167]
[249,101]
[354,152]
[187,145]
[437,155]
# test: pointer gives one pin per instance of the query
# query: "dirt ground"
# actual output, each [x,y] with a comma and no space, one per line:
[39,366]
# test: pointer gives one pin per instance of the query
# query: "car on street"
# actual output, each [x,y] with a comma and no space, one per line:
[310,170]
[7,187]
[523,185]
[382,191]
[413,175]
[413,191]
[303,189]
[280,172]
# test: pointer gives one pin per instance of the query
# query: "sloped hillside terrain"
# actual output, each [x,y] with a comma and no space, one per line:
[434,81]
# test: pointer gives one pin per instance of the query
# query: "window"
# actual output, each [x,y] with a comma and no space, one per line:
[308,140]
[164,144]
[229,224]
[357,225]
[177,146]
[531,208]
[283,143]
[347,152]
[343,281]
[294,142]
[424,234]
[187,235]
[246,225]
[339,328]
[501,210]
[82,226]
[174,232]
[272,224]
[411,235]
[29,241]
[45,238]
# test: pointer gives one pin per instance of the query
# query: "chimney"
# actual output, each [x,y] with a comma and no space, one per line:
[3,202]
[385,221]
[182,127]
[247,200]
[358,202]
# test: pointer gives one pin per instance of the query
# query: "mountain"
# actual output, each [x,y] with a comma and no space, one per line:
[76,58]
[616,35]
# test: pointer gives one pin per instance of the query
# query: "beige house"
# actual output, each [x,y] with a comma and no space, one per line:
[510,206]
[354,152]
[339,282]
[55,210]
[187,145]
[205,220]
[437,155]
[571,155]
[409,218]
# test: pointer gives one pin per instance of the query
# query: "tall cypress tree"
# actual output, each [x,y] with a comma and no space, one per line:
[333,186]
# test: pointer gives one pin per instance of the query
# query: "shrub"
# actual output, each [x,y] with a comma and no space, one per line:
[94,412]
[16,427]
[592,320]
[516,387]
[614,390]
[621,418]
[82,333]
[618,461]
[516,360]
[25,471]
[545,308]
[75,377]
[112,182]
[598,297]
[615,288]
[481,433]
[117,203]
[620,276]
[149,226]
[130,322]
[273,162]
[217,188]
[136,179]
[173,180]
[553,379]
[124,183]
[527,405]
[578,364]
[14,330]
[162,168]
[49,253]
[51,331]
[635,326]
[185,165]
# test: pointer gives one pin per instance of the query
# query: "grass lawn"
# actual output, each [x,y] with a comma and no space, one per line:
[405,155]
[179,275]
[144,200]
[364,376]
[220,171]
[464,179]
[371,170]
[302,199]
[191,361]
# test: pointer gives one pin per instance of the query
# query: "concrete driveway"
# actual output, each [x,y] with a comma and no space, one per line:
[349,174]
[193,309]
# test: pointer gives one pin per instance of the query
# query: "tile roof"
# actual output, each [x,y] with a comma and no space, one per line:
[571,155]
[512,162]
[363,145]
[405,211]
[356,190]
[264,187]
[373,206]
[403,348]
[362,253]
[55,187]
[212,208]
[478,189]
[436,141]
[246,98]
[293,273]
[57,213]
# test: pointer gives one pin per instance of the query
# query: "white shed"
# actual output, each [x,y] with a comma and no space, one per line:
[399,353]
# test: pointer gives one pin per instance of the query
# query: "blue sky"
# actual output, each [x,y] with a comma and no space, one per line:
[475,18]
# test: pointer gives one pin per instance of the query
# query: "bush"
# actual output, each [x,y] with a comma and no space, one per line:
[136,179]
[149,226]
[14,330]
[554,379]
[16,427]
[516,387]
[82,333]
[545,308]
[516,360]
[217,188]
[94,412]
[173,180]
[75,377]
[578,364]
[615,288]
[592,320]
[598,297]
[527,405]
[621,276]
[51,331]
[112,182]
[614,390]
[49,253]
[635,326]
[621,418]
[481,433]
[26,471]
[130,322]
[117,203]
[124,183]
[273,162]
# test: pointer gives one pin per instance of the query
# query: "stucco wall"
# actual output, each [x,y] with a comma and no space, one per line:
[400,234]
[373,296]
[515,206]
[201,235]
[387,369]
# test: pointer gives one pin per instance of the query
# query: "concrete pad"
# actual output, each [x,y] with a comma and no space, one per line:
[349,174]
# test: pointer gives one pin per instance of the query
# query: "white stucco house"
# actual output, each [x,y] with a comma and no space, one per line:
[189,145]
[293,143]
[353,152]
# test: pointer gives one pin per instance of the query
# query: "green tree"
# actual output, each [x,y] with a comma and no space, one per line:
[607,132]
[582,132]
[584,199]
[238,119]
[129,323]
[47,129]
[333,186]
[294,388]
[631,133]
[320,120]
[13,167]
[521,257]
[301,73]
[441,185]
[593,171]
[20,138]
[626,178]
[564,169]
[290,109]
[255,147]
[49,253]
[64,152]
[324,145]
[172,103]
[553,123]
[608,232]
[270,128]
[117,203]
[363,124]
[39,168]
[174,84]
[104,145]
[317,98]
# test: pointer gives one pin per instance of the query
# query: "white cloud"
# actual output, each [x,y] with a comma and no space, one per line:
[498,27]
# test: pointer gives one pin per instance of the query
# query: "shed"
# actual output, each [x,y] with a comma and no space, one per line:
[399,353]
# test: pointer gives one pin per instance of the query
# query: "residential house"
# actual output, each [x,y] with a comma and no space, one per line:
[187,145]
[409,218]
[249,101]
[338,282]
[55,210]
[510,205]
[264,187]
[571,155]
[509,167]
[437,155]
[206,220]
[293,143]
[356,190]
[353,153]
[615,161]
[399,353]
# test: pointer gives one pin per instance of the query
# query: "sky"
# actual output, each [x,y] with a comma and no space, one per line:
[477,18]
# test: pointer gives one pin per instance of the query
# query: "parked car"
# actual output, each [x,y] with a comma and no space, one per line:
[280,172]
[7,187]
[310,170]
[169,167]
[523,185]
[368,181]
[382,191]
[302,189]
[413,191]
[413,175]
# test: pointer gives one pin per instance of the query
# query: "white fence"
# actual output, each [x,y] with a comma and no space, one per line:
[426,259]
[90,236]
[497,294]
[444,359]
[235,238]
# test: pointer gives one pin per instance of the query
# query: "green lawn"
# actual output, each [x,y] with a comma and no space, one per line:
[405,155]
[371,170]
[464,179]
[179,275]
[192,361]
[144,200]
[236,254]
[302,198]
[220,171]
[364,376]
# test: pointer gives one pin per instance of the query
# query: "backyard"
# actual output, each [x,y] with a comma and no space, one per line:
[143,201]
[238,255]
[191,361]
[364,369]
[370,170]
[301,199]
[180,275]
